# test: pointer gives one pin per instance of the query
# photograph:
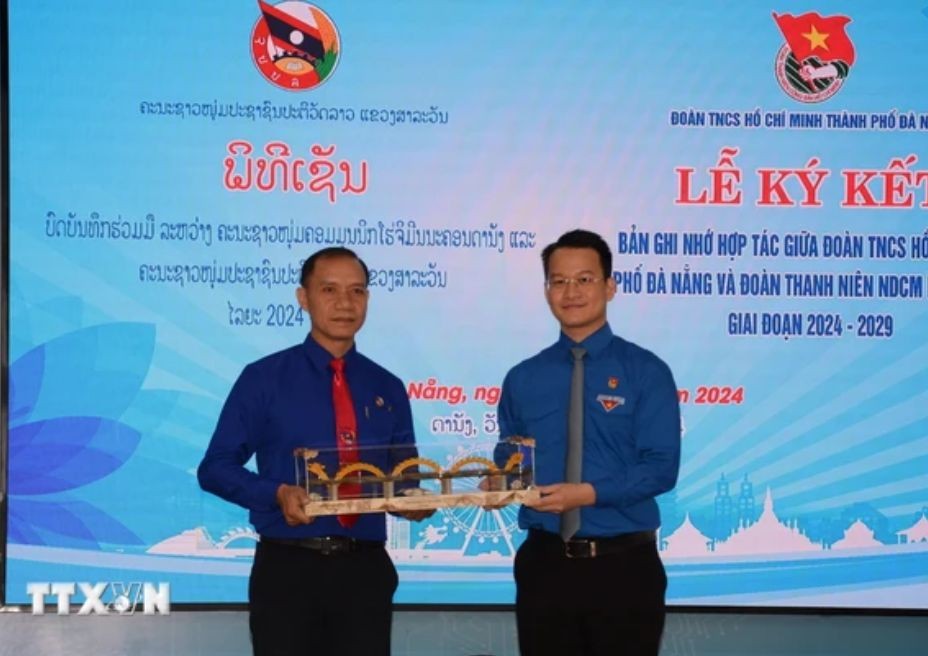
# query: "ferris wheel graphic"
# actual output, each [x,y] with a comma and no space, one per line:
[481,529]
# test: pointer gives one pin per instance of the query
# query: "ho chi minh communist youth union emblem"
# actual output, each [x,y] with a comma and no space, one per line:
[816,58]
[295,45]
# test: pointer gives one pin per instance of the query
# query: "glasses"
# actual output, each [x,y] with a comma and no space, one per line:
[559,284]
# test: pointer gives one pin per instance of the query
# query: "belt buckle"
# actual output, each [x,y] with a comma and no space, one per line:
[329,546]
[587,548]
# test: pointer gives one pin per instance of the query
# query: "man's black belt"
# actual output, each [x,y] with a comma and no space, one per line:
[593,547]
[326,545]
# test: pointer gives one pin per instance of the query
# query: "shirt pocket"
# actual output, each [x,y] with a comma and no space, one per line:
[377,424]
[545,412]
[547,425]
[620,444]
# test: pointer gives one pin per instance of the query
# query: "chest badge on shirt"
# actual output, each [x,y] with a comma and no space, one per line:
[613,382]
[379,406]
[610,402]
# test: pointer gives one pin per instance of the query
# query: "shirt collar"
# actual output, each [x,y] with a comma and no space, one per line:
[320,358]
[594,344]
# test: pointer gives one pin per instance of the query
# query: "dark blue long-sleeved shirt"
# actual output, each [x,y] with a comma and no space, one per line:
[284,401]
[631,429]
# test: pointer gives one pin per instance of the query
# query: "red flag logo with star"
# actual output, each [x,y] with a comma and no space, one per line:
[818,54]
[813,35]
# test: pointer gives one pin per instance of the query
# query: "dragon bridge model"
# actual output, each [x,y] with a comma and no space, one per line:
[362,487]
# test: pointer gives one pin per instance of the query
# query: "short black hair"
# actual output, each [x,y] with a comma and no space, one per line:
[332,251]
[580,239]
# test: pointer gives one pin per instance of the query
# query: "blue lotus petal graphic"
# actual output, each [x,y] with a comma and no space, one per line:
[92,372]
[62,454]
[66,399]
[25,383]
[65,523]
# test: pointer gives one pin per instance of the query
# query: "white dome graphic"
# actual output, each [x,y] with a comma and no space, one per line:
[686,541]
[857,536]
[917,532]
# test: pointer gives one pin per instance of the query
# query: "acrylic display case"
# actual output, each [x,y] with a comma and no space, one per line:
[403,478]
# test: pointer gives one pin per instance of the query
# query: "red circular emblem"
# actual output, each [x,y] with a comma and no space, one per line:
[295,45]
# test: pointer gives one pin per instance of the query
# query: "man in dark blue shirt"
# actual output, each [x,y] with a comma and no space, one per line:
[322,585]
[589,580]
